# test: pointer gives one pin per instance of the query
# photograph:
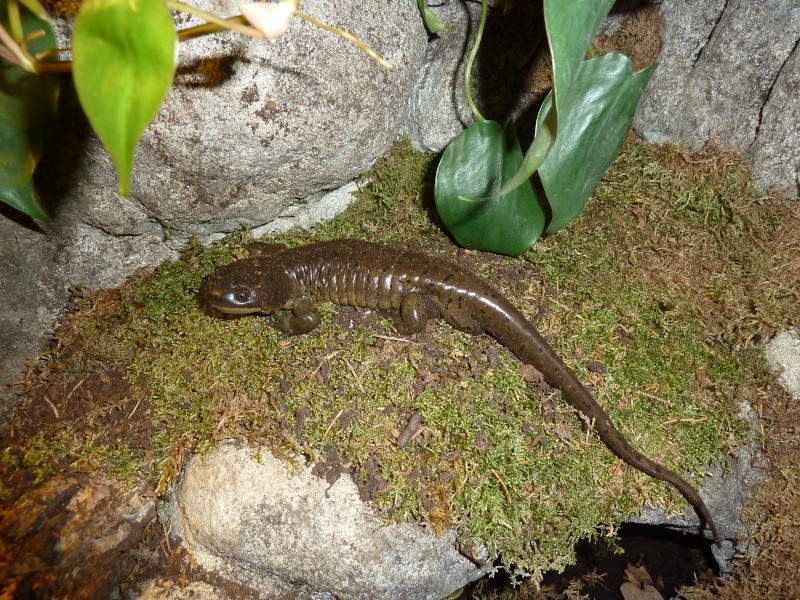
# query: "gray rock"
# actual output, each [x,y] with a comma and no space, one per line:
[728,489]
[783,357]
[729,74]
[255,521]
[38,266]
[308,213]
[251,127]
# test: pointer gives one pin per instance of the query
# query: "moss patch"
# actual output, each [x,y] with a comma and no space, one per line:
[654,296]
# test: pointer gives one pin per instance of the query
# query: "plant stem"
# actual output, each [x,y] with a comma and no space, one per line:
[534,157]
[348,36]
[207,28]
[14,53]
[471,59]
[15,22]
[234,24]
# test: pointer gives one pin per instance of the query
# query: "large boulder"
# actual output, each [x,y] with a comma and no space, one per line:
[729,74]
[251,127]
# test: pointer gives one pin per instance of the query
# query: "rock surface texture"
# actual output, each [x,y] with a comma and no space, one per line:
[783,357]
[243,514]
[729,75]
[251,128]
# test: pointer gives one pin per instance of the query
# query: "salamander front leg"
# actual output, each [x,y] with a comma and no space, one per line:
[302,318]
[263,248]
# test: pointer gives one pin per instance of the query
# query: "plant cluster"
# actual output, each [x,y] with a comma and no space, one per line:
[123,61]
[485,193]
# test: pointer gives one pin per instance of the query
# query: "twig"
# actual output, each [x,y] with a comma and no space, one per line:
[502,484]
[353,371]
[330,425]
[53,406]
[134,408]
[72,391]
[392,338]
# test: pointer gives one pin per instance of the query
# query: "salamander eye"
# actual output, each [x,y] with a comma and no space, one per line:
[241,296]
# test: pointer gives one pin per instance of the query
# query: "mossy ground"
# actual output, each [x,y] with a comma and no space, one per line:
[655,296]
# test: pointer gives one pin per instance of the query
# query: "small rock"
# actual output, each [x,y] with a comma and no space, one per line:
[783,357]
[253,519]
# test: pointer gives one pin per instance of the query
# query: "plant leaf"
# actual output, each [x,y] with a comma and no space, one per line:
[432,23]
[593,120]
[470,174]
[28,104]
[570,28]
[123,61]
[546,125]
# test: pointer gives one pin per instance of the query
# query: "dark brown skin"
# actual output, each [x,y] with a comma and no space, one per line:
[285,283]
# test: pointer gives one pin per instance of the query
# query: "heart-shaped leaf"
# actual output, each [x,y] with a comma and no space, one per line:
[570,28]
[471,172]
[123,61]
[593,120]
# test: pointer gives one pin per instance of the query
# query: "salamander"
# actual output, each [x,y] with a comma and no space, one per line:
[285,283]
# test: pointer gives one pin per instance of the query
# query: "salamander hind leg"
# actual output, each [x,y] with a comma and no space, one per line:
[302,318]
[461,318]
[415,311]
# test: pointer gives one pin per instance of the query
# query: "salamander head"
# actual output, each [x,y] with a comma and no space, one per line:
[250,285]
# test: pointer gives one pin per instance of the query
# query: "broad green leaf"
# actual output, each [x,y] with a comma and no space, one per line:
[570,28]
[123,61]
[593,120]
[28,105]
[432,22]
[470,174]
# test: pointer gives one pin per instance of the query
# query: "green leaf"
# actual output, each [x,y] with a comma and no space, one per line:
[570,28]
[432,22]
[28,106]
[470,174]
[542,142]
[123,61]
[593,120]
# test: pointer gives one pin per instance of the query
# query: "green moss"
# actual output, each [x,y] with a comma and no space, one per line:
[646,282]
[46,457]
